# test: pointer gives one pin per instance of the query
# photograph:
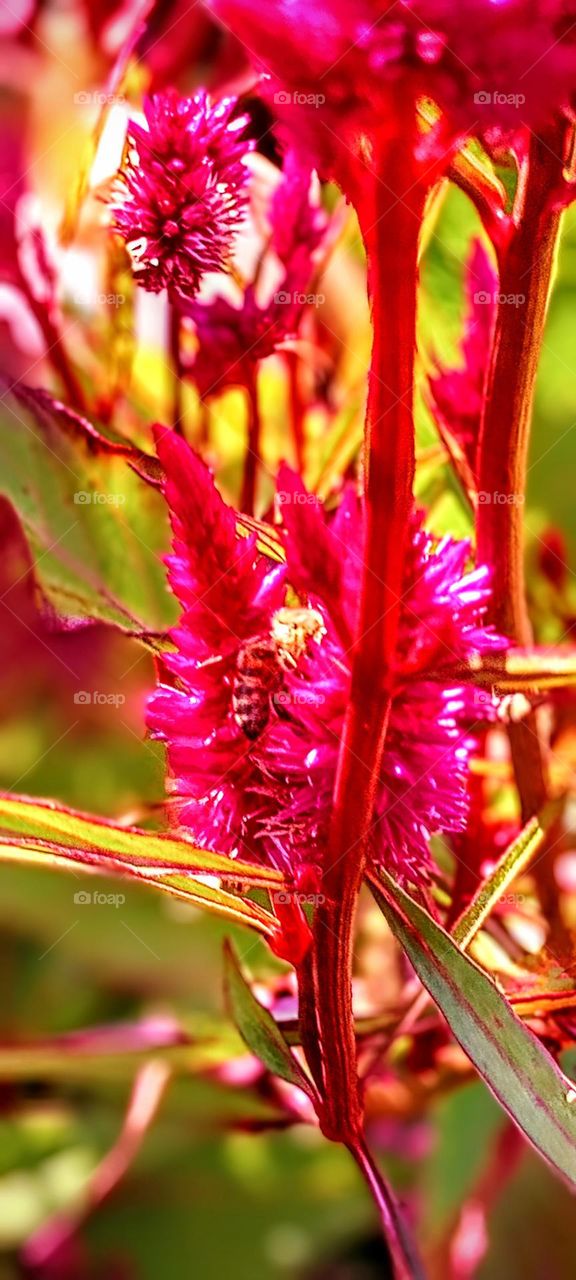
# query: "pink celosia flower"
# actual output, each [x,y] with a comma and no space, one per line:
[228,594]
[457,394]
[336,68]
[231,337]
[428,745]
[269,796]
[182,193]
[298,224]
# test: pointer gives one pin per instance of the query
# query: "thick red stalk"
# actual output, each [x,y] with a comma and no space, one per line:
[524,291]
[390,223]
[525,281]
[252,455]
[174,347]
[296,408]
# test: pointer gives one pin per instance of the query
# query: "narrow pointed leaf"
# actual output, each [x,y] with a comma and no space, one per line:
[257,1026]
[532,671]
[267,538]
[217,901]
[510,865]
[161,854]
[459,461]
[515,1066]
[43,853]
[46,834]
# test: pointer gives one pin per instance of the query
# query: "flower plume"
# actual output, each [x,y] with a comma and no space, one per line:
[270,797]
[181,194]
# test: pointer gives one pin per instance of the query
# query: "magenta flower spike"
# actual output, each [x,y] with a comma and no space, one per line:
[423,778]
[208,716]
[181,195]
[264,790]
[485,64]
[233,338]
[228,594]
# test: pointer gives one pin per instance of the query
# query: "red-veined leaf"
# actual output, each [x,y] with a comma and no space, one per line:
[47,835]
[258,1028]
[511,1060]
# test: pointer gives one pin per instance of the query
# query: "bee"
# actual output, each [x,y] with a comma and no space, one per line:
[257,676]
[263,659]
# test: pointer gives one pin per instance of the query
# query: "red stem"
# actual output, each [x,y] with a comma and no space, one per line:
[174,339]
[390,226]
[296,408]
[525,281]
[55,350]
[407,1265]
[503,451]
[252,456]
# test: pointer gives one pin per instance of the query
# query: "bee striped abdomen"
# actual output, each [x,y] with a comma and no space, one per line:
[257,676]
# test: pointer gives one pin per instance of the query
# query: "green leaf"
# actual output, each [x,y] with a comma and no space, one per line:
[91,512]
[514,1064]
[508,867]
[47,821]
[257,1026]
[185,887]
[530,670]
[45,834]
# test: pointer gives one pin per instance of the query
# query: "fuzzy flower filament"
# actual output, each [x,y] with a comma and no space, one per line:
[181,194]
[268,796]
